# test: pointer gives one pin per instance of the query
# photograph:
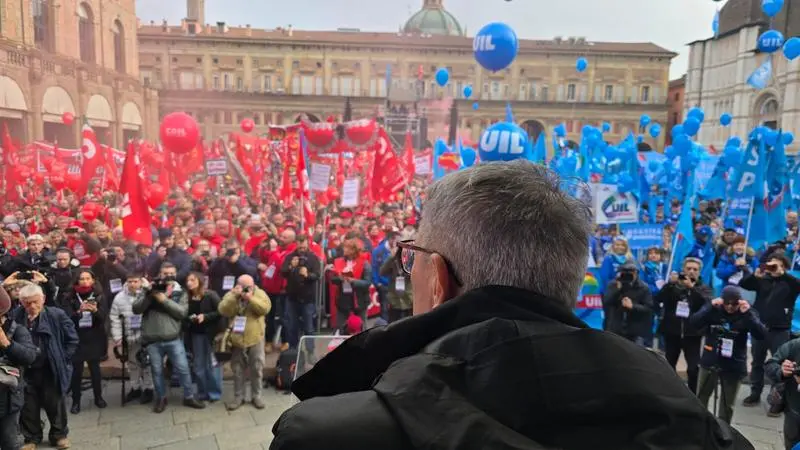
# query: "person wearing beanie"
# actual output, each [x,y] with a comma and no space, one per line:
[16,351]
[629,305]
[728,320]
[168,252]
[782,369]
[737,262]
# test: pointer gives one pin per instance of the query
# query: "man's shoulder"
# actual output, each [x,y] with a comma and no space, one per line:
[353,420]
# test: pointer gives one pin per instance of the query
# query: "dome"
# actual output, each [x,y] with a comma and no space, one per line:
[433,19]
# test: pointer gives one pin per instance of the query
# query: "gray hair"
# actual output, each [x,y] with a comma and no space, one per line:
[31,290]
[509,224]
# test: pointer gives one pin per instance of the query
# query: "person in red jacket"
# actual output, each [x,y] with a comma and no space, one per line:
[83,246]
[274,285]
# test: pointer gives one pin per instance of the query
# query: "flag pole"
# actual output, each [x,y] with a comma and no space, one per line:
[749,221]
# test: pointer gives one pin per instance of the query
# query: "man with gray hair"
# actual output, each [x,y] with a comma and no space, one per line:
[494,356]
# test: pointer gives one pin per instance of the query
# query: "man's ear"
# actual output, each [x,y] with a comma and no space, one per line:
[442,285]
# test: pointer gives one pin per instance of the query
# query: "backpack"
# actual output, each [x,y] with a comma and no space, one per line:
[286,366]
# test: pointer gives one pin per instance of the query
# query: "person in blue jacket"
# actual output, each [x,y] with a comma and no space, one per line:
[654,271]
[620,254]
[737,263]
[379,255]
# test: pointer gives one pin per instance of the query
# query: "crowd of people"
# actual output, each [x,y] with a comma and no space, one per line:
[225,281]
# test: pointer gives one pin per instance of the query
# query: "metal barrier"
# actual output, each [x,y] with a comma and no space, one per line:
[310,350]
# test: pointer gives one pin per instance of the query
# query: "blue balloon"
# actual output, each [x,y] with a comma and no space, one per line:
[442,76]
[625,183]
[581,64]
[770,41]
[771,8]
[468,156]
[655,130]
[682,144]
[639,139]
[698,113]
[691,126]
[467,91]
[791,48]
[560,130]
[586,130]
[734,141]
[653,166]
[677,130]
[732,156]
[771,137]
[787,138]
[475,106]
[495,46]
[606,127]
[644,120]
[725,119]
[503,141]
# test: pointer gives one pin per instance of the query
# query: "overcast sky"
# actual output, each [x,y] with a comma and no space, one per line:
[668,23]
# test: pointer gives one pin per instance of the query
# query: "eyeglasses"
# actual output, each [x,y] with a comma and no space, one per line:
[406,255]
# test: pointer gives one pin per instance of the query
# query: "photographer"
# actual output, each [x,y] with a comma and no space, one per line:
[33,278]
[681,297]
[36,257]
[776,293]
[301,268]
[245,306]
[227,268]
[729,319]
[64,271]
[783,368]
[110,272]
[164,308]
[6,261]
[629,305]
[16,352]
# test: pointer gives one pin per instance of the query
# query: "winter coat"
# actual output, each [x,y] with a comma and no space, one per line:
[122,309]
[635,322]
[496,368]
[399,299]
[254,311]
[222,268]
[56,332]
[670,296]
[20,354]
[162,322]
[93,344]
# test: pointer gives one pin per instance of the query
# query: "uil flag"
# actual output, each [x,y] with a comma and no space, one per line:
[135,214]
[760,77]
[92,157]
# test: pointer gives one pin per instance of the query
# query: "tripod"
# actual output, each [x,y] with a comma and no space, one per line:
[718,391]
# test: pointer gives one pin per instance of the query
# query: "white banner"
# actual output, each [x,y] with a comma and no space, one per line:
[320,177]
[216,167]
[422,165]
[350,191]
[612,207]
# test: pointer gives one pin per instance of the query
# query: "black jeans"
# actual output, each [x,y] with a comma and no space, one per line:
[771,342]
[690,345]
[9,432]
[43,393]
[726,393]
[77,375]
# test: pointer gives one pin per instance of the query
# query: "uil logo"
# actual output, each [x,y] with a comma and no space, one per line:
[504,142]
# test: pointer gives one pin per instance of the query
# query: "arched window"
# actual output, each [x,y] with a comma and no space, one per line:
[86,33]
[119,46]
[769,108]
[40,10]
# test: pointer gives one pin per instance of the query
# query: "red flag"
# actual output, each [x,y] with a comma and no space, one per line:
[135,214]
[10,163]
[92,158]
[387,171]
[110,169]
[304,190]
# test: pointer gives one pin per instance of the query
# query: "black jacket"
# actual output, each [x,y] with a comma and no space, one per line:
[495,368]
[301,289]
[21,353]
[790,351]
[93,340]
[775,298]
[636,322]
[669,296]
[736,326]
[222,267]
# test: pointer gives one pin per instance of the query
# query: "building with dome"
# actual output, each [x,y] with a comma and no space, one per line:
[720,66]
[222,74]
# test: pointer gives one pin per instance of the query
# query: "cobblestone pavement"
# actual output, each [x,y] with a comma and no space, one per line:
[135,427]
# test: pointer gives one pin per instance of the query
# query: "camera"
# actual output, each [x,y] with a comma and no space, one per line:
[161,284]
[626,277]
[230,252]
[247,289]
[723,331]
[27,275]
[71,230]
[111,257]
[142,357]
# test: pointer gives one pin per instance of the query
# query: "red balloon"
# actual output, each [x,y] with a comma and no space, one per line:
[68,118]
[333,193]
[179,132]
[156,194]
[198,190]
[247,125]
[88,214]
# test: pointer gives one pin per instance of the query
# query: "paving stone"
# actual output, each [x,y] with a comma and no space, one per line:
[220,425]
[98,433]
[202,443]
[150,421]
[153,438]
[248,438]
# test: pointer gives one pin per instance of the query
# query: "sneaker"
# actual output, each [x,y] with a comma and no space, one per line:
[160,406]
[258,403]
[234,405]
[752,400]
[62,444]
[147,396]
[133,395]
[193,403]
[76,407]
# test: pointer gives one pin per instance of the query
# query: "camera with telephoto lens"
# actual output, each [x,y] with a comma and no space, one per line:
[161,284]
[723,331]
[142,357]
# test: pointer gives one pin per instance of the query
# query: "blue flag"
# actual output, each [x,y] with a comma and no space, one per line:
[761,76]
